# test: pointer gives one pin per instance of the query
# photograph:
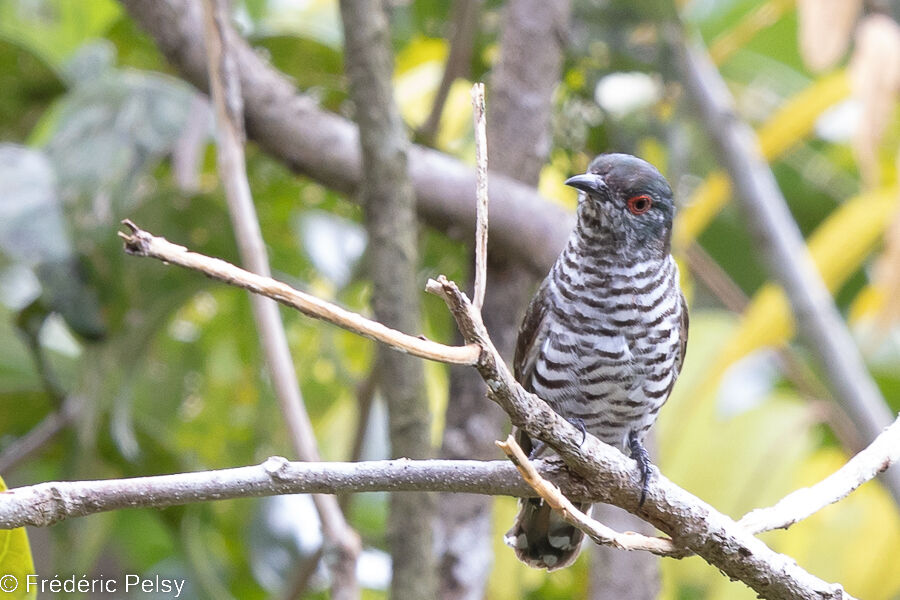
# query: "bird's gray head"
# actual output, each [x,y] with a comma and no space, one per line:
[626,200]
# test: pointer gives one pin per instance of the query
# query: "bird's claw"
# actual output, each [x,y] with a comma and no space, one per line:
[579,424]
[642,457]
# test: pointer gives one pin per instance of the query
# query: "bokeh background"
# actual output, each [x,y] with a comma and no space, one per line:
[163,367]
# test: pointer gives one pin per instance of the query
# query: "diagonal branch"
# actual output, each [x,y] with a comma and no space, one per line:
[324,146]
[601,534]
[883,452]
[142,243]
[611,477]
[690,522]
[782,244]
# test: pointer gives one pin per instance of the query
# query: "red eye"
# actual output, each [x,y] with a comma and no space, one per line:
[638,205]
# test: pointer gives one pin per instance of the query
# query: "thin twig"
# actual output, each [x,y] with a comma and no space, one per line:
[42,434]
[481,187]
[225,88]
[464,21]
[600,533]
[301,575]
[143,243]
[883,452]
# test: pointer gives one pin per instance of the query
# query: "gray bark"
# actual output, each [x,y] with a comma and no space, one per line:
[782,245]
[291,127]
[389,200]
[690,521]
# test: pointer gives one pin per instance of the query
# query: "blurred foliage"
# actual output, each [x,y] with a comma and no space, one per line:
[96,127]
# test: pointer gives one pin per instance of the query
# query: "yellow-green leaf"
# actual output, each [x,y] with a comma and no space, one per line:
[15,561]
[838,247]
[787,126]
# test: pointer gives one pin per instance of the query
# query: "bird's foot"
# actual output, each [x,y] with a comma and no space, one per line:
[537,447]
[579,424]
[640,454]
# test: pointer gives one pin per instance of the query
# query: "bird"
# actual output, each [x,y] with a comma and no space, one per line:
[603,339]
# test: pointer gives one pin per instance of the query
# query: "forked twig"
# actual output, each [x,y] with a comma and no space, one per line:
[600,533]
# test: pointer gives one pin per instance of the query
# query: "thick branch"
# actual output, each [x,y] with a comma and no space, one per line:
[389,203]
[142,243]
[324,146]
[690,522]
[48,503]
[782,244]
[613,478]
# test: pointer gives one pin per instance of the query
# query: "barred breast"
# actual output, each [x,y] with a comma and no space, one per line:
[609,356]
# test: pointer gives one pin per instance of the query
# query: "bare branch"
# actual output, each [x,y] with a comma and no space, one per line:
[42,434]
[225,88]
[613,477]
[389,202]
[48,503]
[600,533]
[782,244]
[322,145]
[143,243]
[883,452]
[690,522]
[481,188]
[464,21]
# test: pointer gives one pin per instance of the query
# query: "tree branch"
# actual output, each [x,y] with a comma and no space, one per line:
[42,434]
[464,23]
[225,89]
[481,193]
[290,126]
[690,522]
[389,204]
[883,452]
[601,534]
[782,244]
[143,243]
[44,504]
[610,476]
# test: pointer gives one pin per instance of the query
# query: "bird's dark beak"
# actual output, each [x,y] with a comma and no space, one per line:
[587,183]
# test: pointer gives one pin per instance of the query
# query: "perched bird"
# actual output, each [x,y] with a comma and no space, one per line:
[603,339]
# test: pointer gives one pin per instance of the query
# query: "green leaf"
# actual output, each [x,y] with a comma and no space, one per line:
[56,28]
[15,561]
[27,87]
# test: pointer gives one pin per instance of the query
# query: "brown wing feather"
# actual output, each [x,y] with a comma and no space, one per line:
[683,335]
[532,333]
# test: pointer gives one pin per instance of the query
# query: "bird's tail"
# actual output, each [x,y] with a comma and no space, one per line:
[541,538]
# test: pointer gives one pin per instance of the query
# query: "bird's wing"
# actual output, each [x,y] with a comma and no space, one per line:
[683,335]
[532,333]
